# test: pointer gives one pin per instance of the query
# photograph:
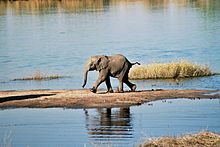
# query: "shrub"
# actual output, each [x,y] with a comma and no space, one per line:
[181,69]
[40,76]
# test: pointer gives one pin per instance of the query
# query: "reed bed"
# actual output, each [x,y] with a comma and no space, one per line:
[179,69]
[201,139]
[39,76]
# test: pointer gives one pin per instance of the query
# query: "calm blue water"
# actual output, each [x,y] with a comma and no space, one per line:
[115,127]
[57,37]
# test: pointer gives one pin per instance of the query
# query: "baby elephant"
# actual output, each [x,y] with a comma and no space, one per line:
[116,66]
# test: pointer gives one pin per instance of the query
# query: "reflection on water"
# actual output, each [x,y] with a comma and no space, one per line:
[109,125]
[114,127]
[45,6]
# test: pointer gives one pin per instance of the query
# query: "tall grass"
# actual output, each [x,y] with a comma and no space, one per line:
[201,139]
[180,69]
[39,76]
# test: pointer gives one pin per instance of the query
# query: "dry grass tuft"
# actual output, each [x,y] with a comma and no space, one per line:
[38,76]
[202,139]
[181,69]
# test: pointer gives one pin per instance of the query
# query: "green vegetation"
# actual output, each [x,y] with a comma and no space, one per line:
[201,139]
[180,69]
[38,76]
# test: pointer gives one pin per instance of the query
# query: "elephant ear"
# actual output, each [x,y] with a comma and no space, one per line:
[102,63]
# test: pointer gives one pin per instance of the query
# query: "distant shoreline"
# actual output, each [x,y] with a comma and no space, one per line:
[86,99]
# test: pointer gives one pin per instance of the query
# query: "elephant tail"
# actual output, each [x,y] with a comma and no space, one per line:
[135,63]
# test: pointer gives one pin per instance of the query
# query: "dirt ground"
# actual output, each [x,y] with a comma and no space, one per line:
[86,99]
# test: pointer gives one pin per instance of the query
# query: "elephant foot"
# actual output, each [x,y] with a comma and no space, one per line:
[93,90]
[110,91]
[119,91]
[133,88]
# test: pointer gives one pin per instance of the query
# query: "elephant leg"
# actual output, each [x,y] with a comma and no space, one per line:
[120,86]
[108,84]
[130,85]
[102,77]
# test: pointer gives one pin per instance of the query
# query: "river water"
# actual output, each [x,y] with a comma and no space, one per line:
[57,37]
[107,127]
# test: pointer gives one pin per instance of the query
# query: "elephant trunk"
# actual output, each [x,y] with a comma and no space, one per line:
[85,78]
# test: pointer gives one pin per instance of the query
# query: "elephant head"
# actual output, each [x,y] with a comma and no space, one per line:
[95,63]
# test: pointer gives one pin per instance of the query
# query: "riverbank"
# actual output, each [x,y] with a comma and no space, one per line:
[86,99]
[202,139]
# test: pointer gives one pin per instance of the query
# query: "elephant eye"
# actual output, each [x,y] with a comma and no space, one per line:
[92,65]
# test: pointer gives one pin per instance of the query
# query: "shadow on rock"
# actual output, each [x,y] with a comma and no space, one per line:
[22,97]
